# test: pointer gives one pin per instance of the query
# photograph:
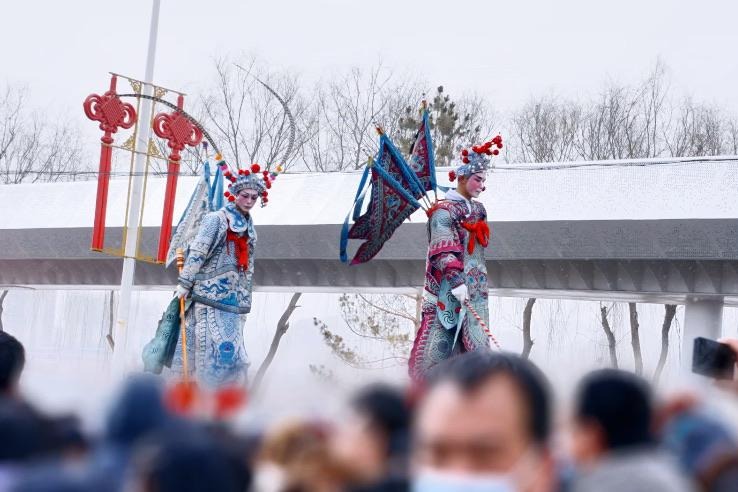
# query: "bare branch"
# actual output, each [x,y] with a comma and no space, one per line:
[669,314]
[527,340]
[3,295]
[35,149]
[282,327]
[635,339]
[611,342]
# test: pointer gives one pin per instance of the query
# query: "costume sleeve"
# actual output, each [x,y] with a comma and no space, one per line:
[200,249]
[446,252]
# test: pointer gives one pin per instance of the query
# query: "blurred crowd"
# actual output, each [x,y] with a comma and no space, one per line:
[483,421]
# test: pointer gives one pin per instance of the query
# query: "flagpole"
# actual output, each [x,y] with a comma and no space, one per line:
[136,195]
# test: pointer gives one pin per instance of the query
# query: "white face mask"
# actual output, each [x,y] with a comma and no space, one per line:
[268,478]
[429,480]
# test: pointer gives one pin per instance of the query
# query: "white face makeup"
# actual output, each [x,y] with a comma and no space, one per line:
[475,184]
[246,199]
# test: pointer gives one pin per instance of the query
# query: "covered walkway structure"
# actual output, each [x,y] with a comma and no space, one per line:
[662,231]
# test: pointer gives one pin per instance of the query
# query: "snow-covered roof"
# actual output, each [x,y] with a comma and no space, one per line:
[622,190]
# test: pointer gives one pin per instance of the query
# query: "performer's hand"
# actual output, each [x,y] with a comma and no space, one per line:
[181,292]
[460,293]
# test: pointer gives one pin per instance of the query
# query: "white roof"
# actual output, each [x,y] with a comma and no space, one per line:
[643,190]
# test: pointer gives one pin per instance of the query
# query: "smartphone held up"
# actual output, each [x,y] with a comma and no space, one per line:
[713,359]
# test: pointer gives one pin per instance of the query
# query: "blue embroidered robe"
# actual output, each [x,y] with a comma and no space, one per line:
[221,295]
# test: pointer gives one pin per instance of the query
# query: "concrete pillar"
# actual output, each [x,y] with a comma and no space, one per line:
[703,317]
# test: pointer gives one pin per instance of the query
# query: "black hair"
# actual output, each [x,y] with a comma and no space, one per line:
[619,403]
[470,370]
[387,411]
[12,361]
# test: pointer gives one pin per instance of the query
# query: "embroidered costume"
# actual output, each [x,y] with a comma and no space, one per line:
[458,233]
[218,273]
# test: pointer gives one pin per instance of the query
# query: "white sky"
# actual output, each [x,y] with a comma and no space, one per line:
[505,51]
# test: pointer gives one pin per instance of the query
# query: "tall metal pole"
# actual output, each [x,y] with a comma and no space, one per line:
[120,361]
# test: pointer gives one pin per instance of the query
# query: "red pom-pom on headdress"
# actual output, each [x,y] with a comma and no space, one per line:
[452,176]
[255,168]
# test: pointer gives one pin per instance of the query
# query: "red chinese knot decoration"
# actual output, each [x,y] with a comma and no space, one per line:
[112,113]
[179,131]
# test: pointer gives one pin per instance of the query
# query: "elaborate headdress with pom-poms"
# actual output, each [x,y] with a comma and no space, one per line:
[477,158]
[253,178]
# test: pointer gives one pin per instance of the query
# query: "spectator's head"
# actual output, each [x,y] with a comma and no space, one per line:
[68,437]
[613,411]
[193,460]
[372,439]
[296,456]
[484,422]
[139,410]
[23,434]
[705,446]
[12,360]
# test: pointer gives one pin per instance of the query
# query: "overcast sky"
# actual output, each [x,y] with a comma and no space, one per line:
[505,51]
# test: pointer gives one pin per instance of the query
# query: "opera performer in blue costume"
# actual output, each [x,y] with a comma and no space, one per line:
[217,282]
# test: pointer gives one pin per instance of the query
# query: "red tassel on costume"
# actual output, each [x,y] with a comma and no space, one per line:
[479,232]
[228,400]
[241,244]
[181,398]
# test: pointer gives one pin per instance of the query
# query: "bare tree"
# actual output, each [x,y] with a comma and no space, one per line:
[527,340]
[626,122]
[387,319]
[33,148]
[611,341]
[345,113]
[732,137]
[247,118]
[669,314]
[698,130]
[635,338]
[653,95]
[338,346]
[282,326]
[545,129]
